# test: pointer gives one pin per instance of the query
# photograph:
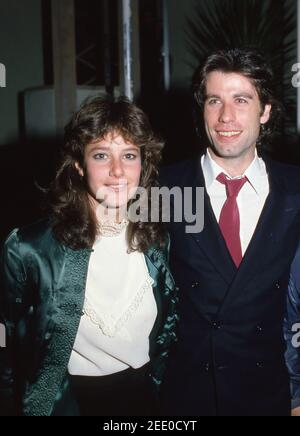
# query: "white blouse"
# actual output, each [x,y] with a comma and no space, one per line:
[119,311]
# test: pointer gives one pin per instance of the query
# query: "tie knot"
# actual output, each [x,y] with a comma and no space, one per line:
[233,186]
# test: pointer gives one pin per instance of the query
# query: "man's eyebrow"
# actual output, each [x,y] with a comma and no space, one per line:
[211,96]
[244,95]
[238,95]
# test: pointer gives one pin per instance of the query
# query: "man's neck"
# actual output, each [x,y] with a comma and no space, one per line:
[234,167]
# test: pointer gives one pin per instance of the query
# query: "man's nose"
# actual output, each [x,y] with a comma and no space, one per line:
[116,169]
[227,114]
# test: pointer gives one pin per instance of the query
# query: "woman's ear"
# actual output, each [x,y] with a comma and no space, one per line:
[79,169]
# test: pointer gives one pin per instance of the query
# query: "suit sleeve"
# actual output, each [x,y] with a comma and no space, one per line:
[292,332]
[12,285]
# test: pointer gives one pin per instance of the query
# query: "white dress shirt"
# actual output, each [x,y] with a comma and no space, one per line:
[251,199]
[119,311]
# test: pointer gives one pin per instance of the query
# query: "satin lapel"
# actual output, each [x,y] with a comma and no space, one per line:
[67,313]
[159,271]
[162,288]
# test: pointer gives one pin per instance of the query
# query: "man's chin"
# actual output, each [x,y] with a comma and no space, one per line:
[233,152]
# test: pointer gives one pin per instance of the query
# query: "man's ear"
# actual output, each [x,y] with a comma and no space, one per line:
[79,169]
[266,114]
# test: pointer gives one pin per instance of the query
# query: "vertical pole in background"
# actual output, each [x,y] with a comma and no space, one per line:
[64,61]
[166,47]
[130,70]
[107,47]
[298,60]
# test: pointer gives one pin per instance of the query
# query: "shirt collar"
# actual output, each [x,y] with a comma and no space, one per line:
[254,172]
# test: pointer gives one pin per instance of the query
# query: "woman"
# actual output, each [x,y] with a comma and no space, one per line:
[87,298]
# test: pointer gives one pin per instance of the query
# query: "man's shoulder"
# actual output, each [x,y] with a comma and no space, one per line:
[180,173]
[286,176]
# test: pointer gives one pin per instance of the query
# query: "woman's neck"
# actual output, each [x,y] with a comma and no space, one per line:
[111,215]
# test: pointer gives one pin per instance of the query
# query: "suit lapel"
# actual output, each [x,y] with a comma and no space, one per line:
[275,218]
[211,240]
[252,262]
[279,211]
[213,245]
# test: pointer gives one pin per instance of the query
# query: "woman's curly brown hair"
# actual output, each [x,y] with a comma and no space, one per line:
[74,221]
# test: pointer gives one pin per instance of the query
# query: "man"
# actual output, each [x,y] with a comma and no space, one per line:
[229,359]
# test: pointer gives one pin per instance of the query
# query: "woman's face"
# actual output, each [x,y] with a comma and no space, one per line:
[112,169]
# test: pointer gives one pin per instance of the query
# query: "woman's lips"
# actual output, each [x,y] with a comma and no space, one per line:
[117,188]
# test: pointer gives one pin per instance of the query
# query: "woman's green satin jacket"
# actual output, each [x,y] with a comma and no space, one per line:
[42,287]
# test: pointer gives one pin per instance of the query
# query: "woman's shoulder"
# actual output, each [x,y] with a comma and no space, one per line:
[37,236]
[27,247]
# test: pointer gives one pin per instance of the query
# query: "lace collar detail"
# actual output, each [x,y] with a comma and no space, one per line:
[109,229]
[111,329]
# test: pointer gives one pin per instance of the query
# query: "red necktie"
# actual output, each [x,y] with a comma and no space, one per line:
[230,217]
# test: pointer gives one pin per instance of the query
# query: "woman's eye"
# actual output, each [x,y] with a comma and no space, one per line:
[130,156]
[100,156]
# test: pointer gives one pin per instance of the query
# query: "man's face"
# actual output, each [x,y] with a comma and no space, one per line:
[233,114]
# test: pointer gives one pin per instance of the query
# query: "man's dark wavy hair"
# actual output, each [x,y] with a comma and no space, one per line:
[252,64]
[73,220]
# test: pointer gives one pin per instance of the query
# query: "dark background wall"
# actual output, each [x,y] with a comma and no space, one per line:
[21,51]
[26,51]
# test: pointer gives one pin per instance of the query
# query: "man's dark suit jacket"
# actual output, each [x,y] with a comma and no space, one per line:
[229,359]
